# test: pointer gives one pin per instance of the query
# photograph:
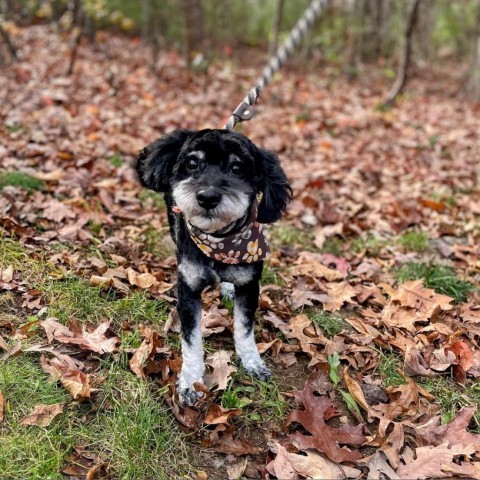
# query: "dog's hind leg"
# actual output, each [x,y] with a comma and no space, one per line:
[189,308]
[246,303]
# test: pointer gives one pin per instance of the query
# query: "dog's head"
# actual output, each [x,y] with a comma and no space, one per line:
[214,177]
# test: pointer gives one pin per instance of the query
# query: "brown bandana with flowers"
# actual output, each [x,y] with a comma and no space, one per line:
[247,246]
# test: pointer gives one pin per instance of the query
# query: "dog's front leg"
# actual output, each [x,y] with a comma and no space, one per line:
[246,303]
[189,306]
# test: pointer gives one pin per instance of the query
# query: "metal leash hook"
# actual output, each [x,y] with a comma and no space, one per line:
[245,111]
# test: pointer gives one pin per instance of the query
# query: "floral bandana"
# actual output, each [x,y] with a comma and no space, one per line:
[247,246]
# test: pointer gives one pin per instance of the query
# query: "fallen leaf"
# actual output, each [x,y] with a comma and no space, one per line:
[222,369]
[6,275]
[338,293]
[453,433]
[314,466]
[217,414]
[323,438]
[463,353]
[141,280]
[378,467]
[42,415]
[94,340]
[76,382]
[430,462]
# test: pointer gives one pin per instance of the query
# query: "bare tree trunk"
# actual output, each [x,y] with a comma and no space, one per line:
[146,20]
[401,80]
[78,27]
[194,29]
[473,86]
[6,38]
[277,26]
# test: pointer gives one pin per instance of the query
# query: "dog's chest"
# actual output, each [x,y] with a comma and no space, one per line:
[200,274]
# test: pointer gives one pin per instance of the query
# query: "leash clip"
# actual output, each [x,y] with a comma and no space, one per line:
[244,112]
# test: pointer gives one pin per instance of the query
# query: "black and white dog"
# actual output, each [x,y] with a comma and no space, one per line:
[219,190]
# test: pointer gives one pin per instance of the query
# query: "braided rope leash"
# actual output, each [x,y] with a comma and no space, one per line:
[245,110]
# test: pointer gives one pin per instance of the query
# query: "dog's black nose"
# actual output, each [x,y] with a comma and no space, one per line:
[208,199]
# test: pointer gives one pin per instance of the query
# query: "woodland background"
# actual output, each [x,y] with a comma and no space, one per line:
[369,311]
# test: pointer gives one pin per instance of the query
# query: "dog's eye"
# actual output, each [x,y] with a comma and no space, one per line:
[192,164]
[236,168]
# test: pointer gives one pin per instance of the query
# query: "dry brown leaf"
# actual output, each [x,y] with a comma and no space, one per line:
[95,340]
[141,280]
[215,320]
[430,462]
[378,467]
[15,350]
[323,438]
[281,466]
[454,433]
[463,354]
[6,274]
[57,211]
[42,415]
[217,414]
[235,471]
[147,349]
[222,369]
[310,264]
[76,382]
[314,465]
[338,293]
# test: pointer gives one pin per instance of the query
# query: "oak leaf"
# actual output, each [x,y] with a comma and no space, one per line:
[222,369]
[323,438]
[94,340]
[76,382]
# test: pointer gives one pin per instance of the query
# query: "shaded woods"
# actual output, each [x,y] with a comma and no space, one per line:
[369,307]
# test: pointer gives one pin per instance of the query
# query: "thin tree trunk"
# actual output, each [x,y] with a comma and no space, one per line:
[402,75]
[194,29]
[146,20]
[78,26]
[277,26]
[6,38]
[473,86]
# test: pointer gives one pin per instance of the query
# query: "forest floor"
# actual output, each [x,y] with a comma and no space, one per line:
[369,311]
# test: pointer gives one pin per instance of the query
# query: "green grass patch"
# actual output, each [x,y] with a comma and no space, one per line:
[151,199]
[329,324]
[22,180]
[334,246]
[285,235]
[74,297]
[370,244]
[128,427]
[388,367]
[440,278]
[116,160]
[270,276]
[452,396]
[416,241]
[259,400]
[158,242]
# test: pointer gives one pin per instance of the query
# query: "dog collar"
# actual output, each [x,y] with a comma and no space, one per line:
[246,246]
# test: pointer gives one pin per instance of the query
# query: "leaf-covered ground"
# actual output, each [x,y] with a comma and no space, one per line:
[369,316]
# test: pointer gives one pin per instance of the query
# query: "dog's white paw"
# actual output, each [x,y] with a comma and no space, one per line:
[258,370]
[187,396]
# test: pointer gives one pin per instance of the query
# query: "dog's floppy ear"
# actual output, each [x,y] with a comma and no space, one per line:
[275,187]
[155,162]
